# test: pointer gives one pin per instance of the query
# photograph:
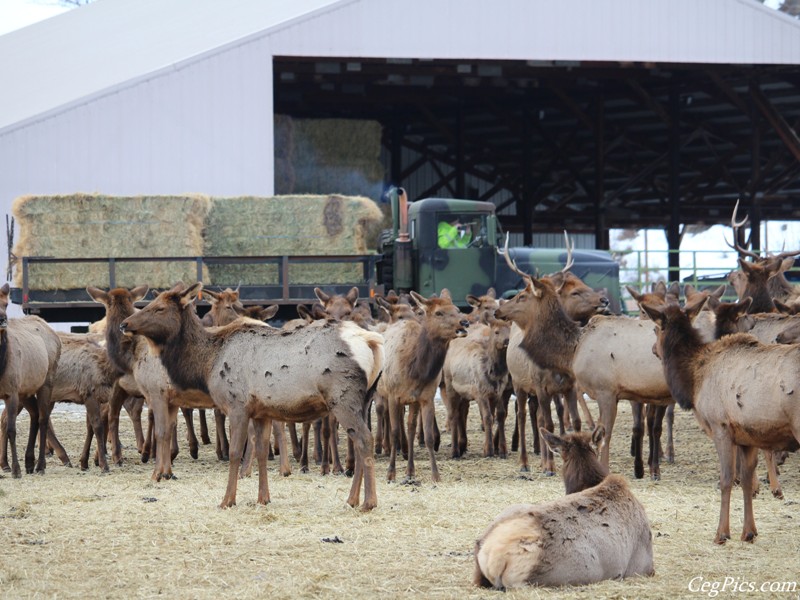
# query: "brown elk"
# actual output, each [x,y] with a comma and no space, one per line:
[415,353]
[599,531]
[475,370]
[29,353]
[735,408]
[135,357]
[255,372]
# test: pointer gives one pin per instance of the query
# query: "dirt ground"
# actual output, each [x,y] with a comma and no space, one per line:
[82,534]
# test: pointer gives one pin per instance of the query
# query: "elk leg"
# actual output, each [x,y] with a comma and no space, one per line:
[318,441]
[515,434]
[87,444]
[238,424]
[33,432]
[428,418]
[380,429]
[149,445]
[559,413]
[45,405]
[463,415]
[655,418]
[670,441]
[246,468]
[304,455]
[545,419]
[571,400]
[261,430]
[297,449]
[364,450]
[587,414]
[453,415]
[164,422]
[325,428]
[772,473]
[411,425]
[637,438]
[223,450]
[522,400]
[95,417]
[725,453]
[191,437]
[279,431]
[501,414]
[533,409]
[333,441]
[4,441]
[118,396]
[204,437]
[749,462]
[57,447]
[133,406]
[488,425]
[607,417]
[350,459]
[396,425]
[12,410]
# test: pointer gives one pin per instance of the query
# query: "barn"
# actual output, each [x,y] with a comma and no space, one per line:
[583,115]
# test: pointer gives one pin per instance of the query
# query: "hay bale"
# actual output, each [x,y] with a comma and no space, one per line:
[289,225]
[96,226]
[284,151]
[336,156]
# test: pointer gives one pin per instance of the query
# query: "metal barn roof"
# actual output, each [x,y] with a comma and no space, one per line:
[110,44]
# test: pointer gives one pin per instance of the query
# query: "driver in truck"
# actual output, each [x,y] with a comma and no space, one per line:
[454,234]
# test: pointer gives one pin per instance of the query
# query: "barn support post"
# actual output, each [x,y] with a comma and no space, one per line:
[673,230]
[601,237]
[460,177]
[754,198]
[396,166]
[527,181]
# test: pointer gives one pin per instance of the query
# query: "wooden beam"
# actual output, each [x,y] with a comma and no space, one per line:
[783,129]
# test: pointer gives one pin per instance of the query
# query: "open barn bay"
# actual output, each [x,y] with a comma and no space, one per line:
[71,534]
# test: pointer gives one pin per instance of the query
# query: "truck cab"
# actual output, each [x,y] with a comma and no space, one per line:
[448,243]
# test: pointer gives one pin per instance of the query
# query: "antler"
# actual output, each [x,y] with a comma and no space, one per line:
[511,263]
[743,252]
[570,248]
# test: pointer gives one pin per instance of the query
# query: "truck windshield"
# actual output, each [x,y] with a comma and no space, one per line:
[462,231]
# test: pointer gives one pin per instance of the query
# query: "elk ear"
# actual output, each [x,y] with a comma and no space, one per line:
[719,292]
[5,289]
[97,294]
[660,288]
[536,287]
[322,296]
[268,312]
[140,292]
[598,435]
[783,307]
[418,299]
[304,313]
[674,289]
[189,296]
[655,313]
[491,293]
[445,295]
[382,303]
[557,279]
[555,443]
[473,300]
[693,309]
[634,294]
[747,267]
[352,296]
[743,305]
[213,297]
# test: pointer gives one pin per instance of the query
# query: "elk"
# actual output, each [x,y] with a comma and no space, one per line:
[255,372]
[742,393]
[598,531]
[29,353]
[134,357]
[475,369]
[609,360]
[415,353]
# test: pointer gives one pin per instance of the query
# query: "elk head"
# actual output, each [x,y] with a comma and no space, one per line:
[225,305]
[162,319]
[442,317]
[338,306]
[4,292]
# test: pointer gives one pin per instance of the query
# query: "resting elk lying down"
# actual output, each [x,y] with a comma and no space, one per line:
[742,392]
[259,373]
[598,531]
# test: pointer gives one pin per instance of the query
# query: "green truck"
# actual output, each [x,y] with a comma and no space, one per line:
[418,253]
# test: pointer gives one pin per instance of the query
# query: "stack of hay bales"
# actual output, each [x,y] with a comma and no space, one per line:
[96,226]
[328,156]
[289,225]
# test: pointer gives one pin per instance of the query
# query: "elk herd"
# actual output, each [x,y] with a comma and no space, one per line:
[553,344]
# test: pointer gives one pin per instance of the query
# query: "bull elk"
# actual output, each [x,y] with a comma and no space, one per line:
[737,410]
[259,373]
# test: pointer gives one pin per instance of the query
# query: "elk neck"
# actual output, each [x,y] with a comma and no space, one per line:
[189,354]
[681,349]
[120,348]
[428,358]
[3,351]
[550,341]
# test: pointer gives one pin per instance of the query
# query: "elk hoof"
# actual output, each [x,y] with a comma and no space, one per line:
[638,471]
[145,457]
[778,493]
[6,469]
[347,473]
[524,469]
[16,474]
[721,539]
[655,476]
[193,453]
[549,473]
[749,536]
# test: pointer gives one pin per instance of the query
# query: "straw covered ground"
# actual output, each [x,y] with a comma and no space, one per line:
[74,534]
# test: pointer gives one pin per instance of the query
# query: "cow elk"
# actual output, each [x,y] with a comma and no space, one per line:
[599,531]
[255,372]
[735,408]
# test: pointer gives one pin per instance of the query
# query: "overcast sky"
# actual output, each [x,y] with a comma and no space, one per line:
[712,253]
